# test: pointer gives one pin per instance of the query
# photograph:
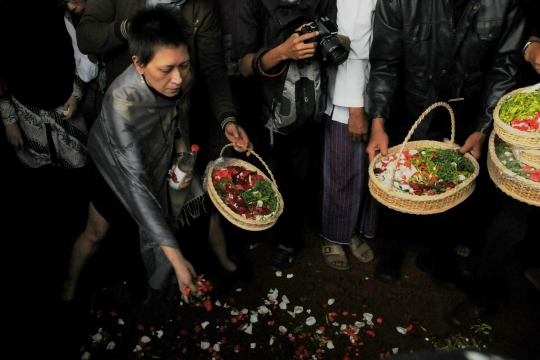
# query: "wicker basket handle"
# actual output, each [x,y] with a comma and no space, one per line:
[415,125]
[257,156]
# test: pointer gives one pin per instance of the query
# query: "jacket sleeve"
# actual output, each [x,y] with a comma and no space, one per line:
[505,70]
[385,57]
[118,151]
[98,31]
[211,61]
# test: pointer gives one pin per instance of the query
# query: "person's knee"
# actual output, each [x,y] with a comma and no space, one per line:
[94,233]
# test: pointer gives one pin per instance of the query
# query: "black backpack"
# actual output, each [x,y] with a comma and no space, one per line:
[298,94]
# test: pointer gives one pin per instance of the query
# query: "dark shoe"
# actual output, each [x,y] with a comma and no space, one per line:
[387,270]
[282,258]
[470,311]
[426,264]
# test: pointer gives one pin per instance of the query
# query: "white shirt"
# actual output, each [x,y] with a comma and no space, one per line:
[347,82]
[86,69]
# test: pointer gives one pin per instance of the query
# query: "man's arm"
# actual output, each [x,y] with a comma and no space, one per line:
[505,69]
[211,62]
[532,54]
[294,48]
[98,32]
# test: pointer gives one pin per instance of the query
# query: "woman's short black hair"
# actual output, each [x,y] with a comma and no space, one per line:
[155,27]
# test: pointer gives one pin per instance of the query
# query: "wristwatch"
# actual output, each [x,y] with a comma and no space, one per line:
[527,46]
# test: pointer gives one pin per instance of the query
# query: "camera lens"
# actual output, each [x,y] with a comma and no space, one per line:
[333,50]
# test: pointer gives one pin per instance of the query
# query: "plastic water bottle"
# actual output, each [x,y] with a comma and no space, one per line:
[183,167]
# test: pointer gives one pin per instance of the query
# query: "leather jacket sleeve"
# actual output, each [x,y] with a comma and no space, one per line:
[385,58]
[506,65]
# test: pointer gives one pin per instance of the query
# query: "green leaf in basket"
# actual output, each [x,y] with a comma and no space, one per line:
[520,106]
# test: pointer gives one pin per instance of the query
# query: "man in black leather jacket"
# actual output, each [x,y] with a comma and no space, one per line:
[466,53]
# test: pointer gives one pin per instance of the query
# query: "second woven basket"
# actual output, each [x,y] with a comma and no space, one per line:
[421,205]
[238,220]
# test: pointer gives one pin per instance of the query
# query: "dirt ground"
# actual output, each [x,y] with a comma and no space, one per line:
[39,226]
[414,304]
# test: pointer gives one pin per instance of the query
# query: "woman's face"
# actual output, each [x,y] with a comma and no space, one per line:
[168,72]
[76,6]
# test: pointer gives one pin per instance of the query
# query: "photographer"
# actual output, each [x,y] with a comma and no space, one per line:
[289,142]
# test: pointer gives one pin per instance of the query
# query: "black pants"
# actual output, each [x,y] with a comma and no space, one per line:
[294,160]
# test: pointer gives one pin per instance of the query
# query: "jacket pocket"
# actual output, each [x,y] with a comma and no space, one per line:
[488,30]
[415,39]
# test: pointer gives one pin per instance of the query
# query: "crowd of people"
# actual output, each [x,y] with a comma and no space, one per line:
[170,73]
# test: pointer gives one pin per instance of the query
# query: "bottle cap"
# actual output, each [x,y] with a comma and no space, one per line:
[194,147]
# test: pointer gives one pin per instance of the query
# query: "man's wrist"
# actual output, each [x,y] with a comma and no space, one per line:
[377,124]
[526,48]
[228,120]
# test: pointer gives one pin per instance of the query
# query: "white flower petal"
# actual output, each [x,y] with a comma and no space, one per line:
[330,344]
[226,306]
[249,329]
[110,345]
[343,327]
[159,334]
[401,330]
[331,301]
[285,299]
[253,318]
[335,323]
[218,303]
[263,310]
[282,328]
[310,321]
[308,311]
[253,345]
[120,322]
[395,350]
[291,313]
[85,356]
[283,305]
[205,345]
[368,316]
[145,339]
[97,337]
[234,312]
[239,290]
[205,324]
[278,273]
[289,276]
[137,348]
[298,309]
[245,311]
[271,340]
[217,347]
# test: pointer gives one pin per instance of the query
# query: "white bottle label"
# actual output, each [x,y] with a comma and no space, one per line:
[177,177]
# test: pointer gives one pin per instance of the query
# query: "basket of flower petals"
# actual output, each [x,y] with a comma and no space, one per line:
[243,194]
[516,118]
[515,178]
[423,177]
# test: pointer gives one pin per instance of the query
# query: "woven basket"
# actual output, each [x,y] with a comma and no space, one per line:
[513,185]
[414,204]
[527,156]
[236,219]
[511,136]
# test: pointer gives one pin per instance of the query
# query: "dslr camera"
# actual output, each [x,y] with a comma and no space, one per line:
[330,45]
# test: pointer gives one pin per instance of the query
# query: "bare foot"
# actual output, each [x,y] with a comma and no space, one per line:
[228,265]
